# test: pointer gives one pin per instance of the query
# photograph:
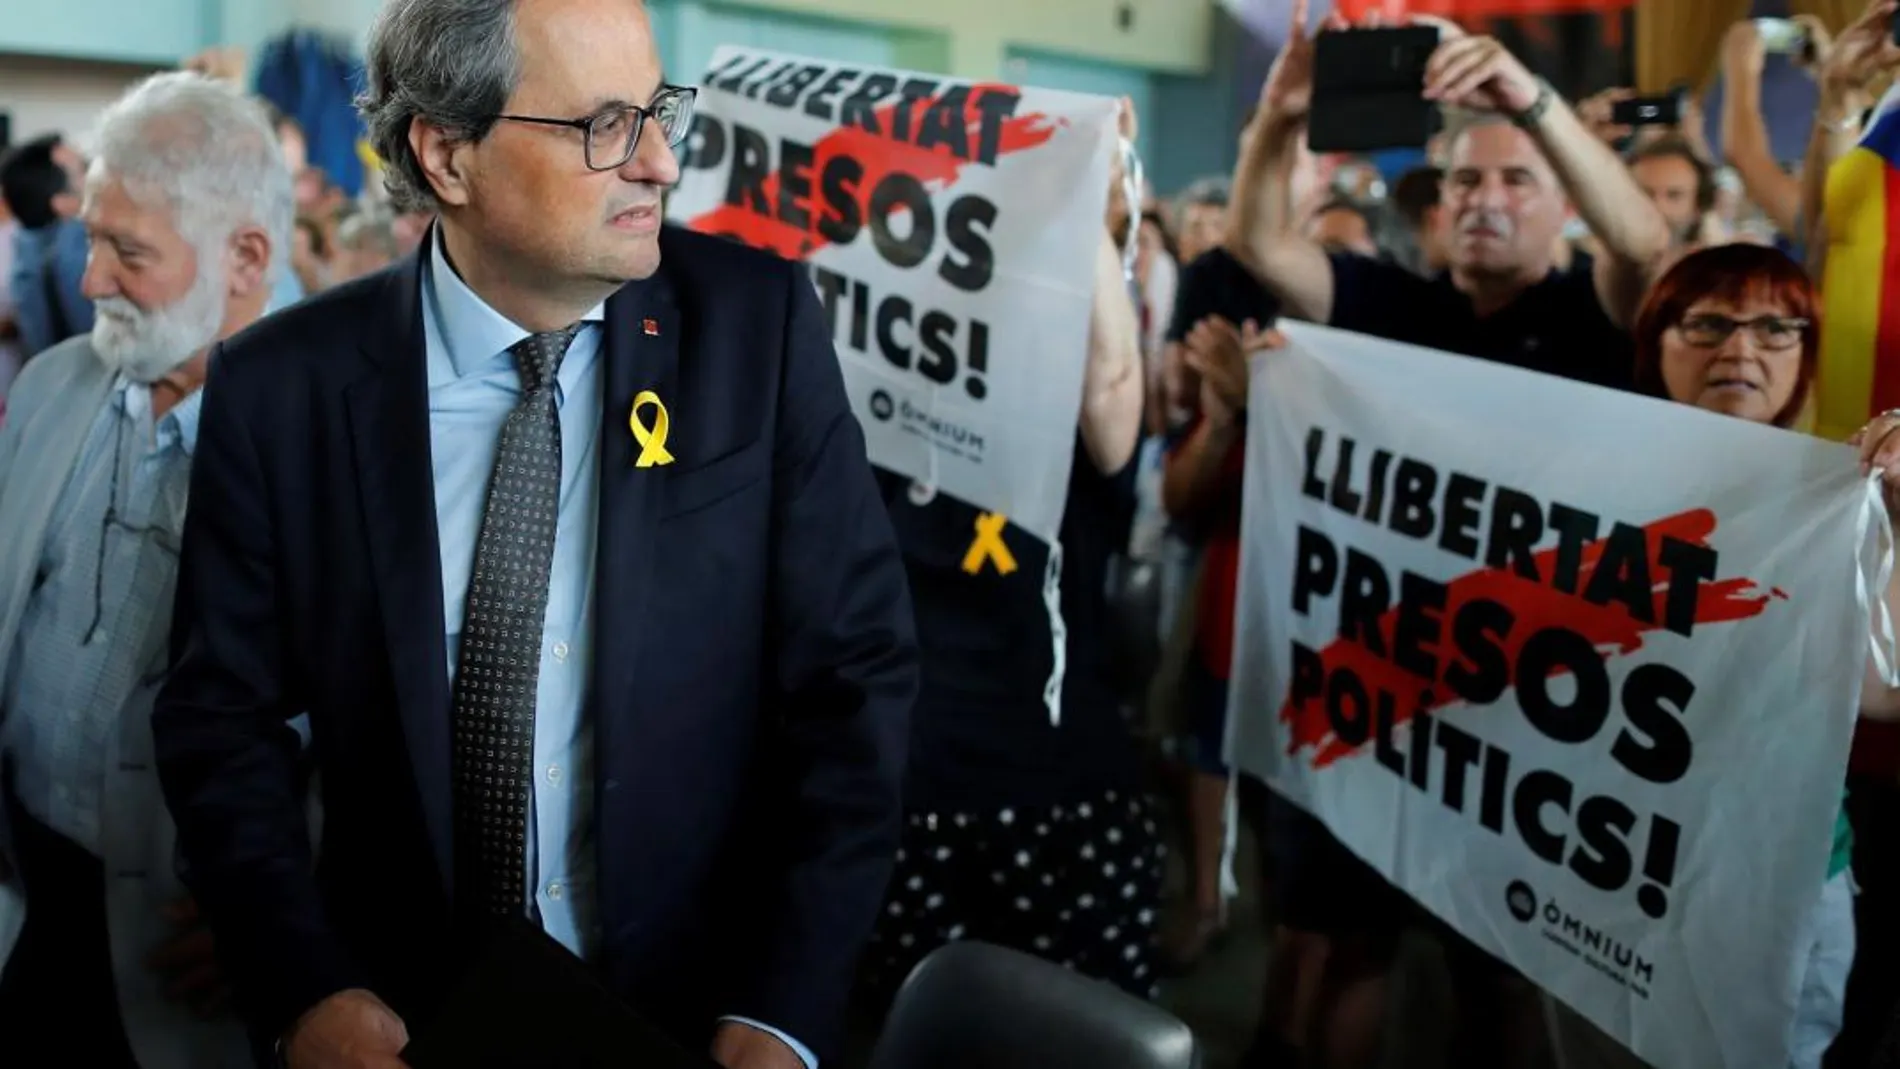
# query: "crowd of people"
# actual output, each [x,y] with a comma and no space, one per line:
[846,719]
[1542,235]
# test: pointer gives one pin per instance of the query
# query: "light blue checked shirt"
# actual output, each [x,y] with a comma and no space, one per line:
[473,385]
[106,579]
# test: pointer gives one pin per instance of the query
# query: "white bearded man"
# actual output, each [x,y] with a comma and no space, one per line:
[187,206]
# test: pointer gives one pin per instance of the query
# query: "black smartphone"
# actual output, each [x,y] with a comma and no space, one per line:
[1368,90]
[1664,110]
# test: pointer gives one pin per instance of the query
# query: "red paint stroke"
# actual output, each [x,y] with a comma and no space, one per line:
[880,154]
[1531,18]
[1474,10]
[1536,606]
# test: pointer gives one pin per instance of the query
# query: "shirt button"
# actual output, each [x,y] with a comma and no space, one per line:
[554,774]
[556,890]
[560,651]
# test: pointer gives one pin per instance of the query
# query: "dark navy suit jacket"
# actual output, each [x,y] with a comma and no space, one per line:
[754,666]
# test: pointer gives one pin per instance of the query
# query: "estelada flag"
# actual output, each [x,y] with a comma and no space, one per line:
[1860,321]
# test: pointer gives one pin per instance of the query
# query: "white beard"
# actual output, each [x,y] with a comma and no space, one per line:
[145,346]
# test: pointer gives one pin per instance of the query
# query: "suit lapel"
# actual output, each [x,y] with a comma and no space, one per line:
[630,499]
[389,426]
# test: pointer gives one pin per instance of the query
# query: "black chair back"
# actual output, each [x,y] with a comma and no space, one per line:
[971,1005]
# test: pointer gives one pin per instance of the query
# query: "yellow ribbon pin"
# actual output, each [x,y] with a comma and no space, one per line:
[989,545]
[652,442]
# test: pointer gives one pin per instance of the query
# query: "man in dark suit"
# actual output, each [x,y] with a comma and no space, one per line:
[563,534]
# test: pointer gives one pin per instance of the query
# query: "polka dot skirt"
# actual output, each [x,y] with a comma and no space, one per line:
[1077,884]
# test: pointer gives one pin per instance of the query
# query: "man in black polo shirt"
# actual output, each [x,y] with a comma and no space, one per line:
[1515,162]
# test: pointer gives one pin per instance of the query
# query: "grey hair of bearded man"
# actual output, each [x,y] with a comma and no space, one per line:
[204,151]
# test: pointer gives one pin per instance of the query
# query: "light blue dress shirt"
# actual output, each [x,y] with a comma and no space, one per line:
[473,385]
[75,669]
[286,289]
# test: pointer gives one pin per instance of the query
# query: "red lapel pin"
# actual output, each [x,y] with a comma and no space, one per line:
[651,326]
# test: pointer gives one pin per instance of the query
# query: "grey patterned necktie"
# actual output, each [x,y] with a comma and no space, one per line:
[500,660]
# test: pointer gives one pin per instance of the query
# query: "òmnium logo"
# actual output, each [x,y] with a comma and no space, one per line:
[1521,900]
[1615,960]
[941,433]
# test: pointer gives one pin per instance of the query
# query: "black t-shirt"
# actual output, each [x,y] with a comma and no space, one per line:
[1556,326]
[981,735]
[1217,284]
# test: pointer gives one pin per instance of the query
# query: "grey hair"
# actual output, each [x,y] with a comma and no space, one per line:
[366,230]
[1461,121]
[1212,192]
[204,148]
[449,63]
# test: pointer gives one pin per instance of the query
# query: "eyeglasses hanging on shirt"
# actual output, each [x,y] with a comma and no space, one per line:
[159,535]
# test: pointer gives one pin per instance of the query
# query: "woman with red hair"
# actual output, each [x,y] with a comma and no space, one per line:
[1733,329]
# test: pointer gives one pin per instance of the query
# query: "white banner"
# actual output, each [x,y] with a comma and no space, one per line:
[1575,669]
[951,228]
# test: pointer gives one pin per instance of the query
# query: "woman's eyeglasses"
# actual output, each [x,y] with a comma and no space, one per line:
[613,134]
[1770,332]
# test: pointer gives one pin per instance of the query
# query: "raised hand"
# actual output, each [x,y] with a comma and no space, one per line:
[1480,74]
[1861,56]
[1287,93]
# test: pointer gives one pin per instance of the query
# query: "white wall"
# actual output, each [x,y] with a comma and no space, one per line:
[48,95]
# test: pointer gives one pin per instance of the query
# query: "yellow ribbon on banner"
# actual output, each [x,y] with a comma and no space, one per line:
[652,442]
[988,545]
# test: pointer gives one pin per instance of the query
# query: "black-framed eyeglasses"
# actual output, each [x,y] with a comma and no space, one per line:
[1770,332]
[612,135]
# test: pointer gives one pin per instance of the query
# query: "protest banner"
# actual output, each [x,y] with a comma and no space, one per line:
[1577,670]
[951,230]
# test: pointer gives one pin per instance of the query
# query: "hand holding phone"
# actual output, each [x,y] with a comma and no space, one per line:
[1287,93]
[1782,36]
[1864,53]
[1598,112]
[1480,74]
[1664,110]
